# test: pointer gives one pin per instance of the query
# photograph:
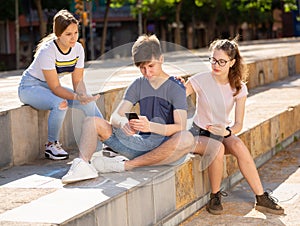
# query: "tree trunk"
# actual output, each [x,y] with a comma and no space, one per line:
[43,24]
[211,25]
[145,25]
[104,31]
[177,29]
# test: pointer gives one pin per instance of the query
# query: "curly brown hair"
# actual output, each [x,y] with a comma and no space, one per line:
[239,71]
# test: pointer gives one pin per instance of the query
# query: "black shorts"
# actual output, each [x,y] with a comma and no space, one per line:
[197,131]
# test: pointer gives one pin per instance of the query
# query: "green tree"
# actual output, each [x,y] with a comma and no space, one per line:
[104,31]
[219,15]
[7,9]
[43,23]
[155,9]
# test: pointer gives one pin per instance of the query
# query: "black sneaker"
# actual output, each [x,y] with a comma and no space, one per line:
[268,204]
[55,151]
[214,206]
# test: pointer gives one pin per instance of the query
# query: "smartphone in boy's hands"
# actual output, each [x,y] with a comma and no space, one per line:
[131,115]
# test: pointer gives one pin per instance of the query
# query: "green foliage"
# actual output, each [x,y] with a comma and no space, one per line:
[237,12]
[268,5]
[244,5]
[50,4]
[118,3]
[2,66]
[151,9]
[222,12]
[209,3]
[289,7]
[7,9]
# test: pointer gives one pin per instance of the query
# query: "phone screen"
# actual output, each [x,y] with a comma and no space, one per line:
[131,115]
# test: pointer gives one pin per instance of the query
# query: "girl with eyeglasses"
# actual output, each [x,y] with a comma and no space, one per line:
[218,92]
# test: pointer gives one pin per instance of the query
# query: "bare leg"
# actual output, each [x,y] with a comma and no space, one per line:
[237,148]
[212,152]
[173,149]
[92,128]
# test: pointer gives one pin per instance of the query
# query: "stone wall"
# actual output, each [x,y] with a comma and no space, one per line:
[26,128]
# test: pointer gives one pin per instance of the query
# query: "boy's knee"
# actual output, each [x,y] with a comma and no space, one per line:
[92,121]
[187,140]
[99,123]
[222,150]
[63,105]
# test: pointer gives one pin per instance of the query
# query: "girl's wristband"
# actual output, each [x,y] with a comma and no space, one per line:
[229,130]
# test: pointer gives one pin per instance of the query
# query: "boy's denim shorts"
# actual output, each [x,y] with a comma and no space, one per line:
[135,145]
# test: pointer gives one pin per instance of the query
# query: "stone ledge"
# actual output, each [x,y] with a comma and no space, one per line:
[29,136]
[268,61]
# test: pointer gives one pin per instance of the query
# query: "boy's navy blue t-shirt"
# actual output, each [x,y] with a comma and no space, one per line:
[157,104]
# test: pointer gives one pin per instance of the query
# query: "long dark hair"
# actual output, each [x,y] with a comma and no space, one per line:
[239,71]
[61,21]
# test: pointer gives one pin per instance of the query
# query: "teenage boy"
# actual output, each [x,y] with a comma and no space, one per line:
[157,137]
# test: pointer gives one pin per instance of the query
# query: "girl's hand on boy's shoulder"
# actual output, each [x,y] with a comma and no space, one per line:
[179,78]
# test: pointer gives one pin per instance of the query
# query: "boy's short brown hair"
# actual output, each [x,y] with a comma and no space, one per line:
[145,49]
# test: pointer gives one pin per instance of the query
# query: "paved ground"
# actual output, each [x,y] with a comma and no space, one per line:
[281,174]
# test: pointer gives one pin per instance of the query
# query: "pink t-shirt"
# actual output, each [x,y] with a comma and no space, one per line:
[214,101]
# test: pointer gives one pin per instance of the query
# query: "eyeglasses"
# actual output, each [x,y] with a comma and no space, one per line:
[221,62]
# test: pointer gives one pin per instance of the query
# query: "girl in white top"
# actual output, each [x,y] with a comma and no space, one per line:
[56,55]
[217,93]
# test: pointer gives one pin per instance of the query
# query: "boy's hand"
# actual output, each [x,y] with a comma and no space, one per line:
[128,130]
[142,124]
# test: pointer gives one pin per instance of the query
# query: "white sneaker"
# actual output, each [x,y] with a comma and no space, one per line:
[108,152]
[55,151]
[79,170]
[106,165]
